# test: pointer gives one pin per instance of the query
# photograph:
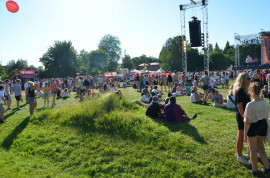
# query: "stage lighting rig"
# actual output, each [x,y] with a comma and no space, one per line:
[205,41]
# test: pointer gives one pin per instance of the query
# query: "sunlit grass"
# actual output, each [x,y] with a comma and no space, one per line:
[111,137]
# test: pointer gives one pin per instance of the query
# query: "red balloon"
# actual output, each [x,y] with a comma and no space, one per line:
[12,6]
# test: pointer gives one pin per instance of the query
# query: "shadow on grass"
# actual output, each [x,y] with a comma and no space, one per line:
[185,128]
[10,114]
[23,105]
[14,111]
[10,138]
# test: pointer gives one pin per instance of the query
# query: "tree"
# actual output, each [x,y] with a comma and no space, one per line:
[127,62]
[217,48]
[13,67]
[111,44]
[195,61]
[170,56]
[211,49]
[229,49]
[83,57]
[61,60]
[98,61]
[219,61]
[143,59]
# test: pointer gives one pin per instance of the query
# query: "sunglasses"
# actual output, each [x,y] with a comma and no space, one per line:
[248,78]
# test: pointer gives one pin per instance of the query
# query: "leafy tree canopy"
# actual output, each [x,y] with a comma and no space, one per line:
[61,60]
[111,44]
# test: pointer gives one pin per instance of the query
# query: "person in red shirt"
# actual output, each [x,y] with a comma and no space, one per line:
[264,77]
[174,113]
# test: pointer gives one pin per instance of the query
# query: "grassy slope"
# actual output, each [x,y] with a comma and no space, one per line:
[83,140]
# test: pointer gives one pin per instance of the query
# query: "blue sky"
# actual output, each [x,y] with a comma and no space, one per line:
[142,26]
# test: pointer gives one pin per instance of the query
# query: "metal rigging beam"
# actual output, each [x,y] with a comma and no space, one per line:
[183,8]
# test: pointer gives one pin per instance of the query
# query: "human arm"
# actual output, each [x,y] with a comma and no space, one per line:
[241,109]
[247,120]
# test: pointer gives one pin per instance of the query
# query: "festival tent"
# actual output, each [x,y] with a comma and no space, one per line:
[161,71]
[230,68]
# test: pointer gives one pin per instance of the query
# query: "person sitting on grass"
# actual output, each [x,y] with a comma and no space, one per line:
[156,92]
[59,92]
[187,89]
[174,88]
[144,98]
[65,93]
[264,93]
[2,109]
[174,113]
[195,97]
[179,90]
[112,89]
[119,94]
[168,99]
[154,109]
[218,100]
[146,91]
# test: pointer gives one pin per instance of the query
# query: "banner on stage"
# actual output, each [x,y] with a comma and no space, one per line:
[266,49]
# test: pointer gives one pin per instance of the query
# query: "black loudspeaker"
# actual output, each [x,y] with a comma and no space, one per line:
[181,7]
[203,2]
[195,32]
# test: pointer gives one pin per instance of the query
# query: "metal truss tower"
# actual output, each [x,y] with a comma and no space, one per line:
[239,39]
[183,8]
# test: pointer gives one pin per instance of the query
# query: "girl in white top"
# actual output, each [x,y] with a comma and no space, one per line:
[255,129]
[112,89]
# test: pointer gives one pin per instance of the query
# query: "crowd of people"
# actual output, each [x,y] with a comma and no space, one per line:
[251,116]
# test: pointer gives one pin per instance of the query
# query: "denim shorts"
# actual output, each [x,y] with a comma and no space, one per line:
[32,99]
[54,92]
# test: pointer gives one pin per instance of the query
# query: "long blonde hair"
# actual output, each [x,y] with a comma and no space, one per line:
[241,82]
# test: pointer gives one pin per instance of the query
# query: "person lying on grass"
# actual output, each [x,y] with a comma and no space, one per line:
[174,113]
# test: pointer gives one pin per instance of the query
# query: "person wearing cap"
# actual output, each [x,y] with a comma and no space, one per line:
[174,113]
[17,92]
[154,108]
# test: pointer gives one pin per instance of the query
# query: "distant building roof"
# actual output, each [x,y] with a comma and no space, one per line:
[143,64]
[154,64]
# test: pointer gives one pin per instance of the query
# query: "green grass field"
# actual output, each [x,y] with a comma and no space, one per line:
[109,137]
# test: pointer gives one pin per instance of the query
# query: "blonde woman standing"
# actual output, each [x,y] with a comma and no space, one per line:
[241,99]
[31,96]
[255,129]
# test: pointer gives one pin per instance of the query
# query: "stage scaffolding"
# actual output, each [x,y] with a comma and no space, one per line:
[183,8]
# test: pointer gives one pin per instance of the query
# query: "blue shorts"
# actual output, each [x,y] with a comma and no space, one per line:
[205,87]
[32,99]
[8,97]
[54,92]
[46,95]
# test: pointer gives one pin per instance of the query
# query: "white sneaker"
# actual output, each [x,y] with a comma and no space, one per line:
[245,155]
[243,160]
